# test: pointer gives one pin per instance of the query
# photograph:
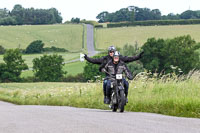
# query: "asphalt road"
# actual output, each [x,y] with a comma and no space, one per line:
[90,40]
[90,43]
[60,119]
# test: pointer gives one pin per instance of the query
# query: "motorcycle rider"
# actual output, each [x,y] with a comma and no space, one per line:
[113,67]
[105,59]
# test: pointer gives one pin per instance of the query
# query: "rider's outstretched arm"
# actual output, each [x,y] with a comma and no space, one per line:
[126,59]
[94,61]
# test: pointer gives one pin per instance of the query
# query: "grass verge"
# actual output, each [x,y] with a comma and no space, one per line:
[172,97]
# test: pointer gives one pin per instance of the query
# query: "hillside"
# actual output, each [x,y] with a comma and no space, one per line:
[130,35]
[66,36]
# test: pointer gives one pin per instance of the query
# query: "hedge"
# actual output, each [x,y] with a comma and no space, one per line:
[155,22]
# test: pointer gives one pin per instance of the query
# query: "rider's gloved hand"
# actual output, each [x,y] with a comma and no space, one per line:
[85,56]
[103,70]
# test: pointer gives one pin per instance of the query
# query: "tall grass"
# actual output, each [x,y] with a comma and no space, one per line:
[169,95]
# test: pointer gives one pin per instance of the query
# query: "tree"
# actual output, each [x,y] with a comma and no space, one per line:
[189,15]
[102,17]
[75,20]
[160,55]
[17,12]
[49,68]
[91,71]
[132,50]
[35,47]
[13,66]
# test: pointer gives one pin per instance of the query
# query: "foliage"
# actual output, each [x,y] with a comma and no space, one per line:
[162,55]
[91,71]
[77,78]
[133,13]
[20,16]
[189,14]
[75,20]
[35,47]
[48,68]
[171,96]
[2,50]
[54,49]
[154,22]
[132,50]
[92,22]
[13,66]
[99,26]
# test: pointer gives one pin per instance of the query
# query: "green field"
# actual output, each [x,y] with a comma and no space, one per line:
[105,37]
[29,57]
[174,97]
[68,36]
[71,68]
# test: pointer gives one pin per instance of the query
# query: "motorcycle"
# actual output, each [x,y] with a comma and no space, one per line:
[118,99]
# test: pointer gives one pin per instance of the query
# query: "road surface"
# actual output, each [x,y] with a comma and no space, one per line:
[60,119]
[90,43]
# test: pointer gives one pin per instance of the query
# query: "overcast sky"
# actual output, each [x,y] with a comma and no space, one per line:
[89,9]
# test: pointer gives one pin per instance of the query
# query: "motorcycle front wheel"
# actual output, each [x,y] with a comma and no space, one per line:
[122,101]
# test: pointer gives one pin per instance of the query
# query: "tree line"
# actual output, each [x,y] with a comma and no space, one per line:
[133,13]
[20,16]
[179,55]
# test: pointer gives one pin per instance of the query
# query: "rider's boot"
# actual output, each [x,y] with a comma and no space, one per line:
[107,100]
[126,100]
[126,95]
[104,93]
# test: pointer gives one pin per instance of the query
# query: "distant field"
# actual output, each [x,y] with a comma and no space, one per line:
[130,35]
[29,57]
[71,68]
[66,36]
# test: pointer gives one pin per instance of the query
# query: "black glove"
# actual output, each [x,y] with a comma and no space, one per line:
[103,70]
[85,56]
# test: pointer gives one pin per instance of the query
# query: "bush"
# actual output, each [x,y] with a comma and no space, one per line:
[2,50]
[154,22]
[13,66]
[48,68]
[54,49]
[75,20]
[166,55]
[90,22]
[132,50]
[77,78]
[35,47]
[91,71]
[99,26]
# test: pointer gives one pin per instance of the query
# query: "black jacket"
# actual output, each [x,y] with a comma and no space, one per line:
[119,68]
[106,59]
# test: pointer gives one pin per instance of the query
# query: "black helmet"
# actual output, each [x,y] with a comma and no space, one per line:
[111,48]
